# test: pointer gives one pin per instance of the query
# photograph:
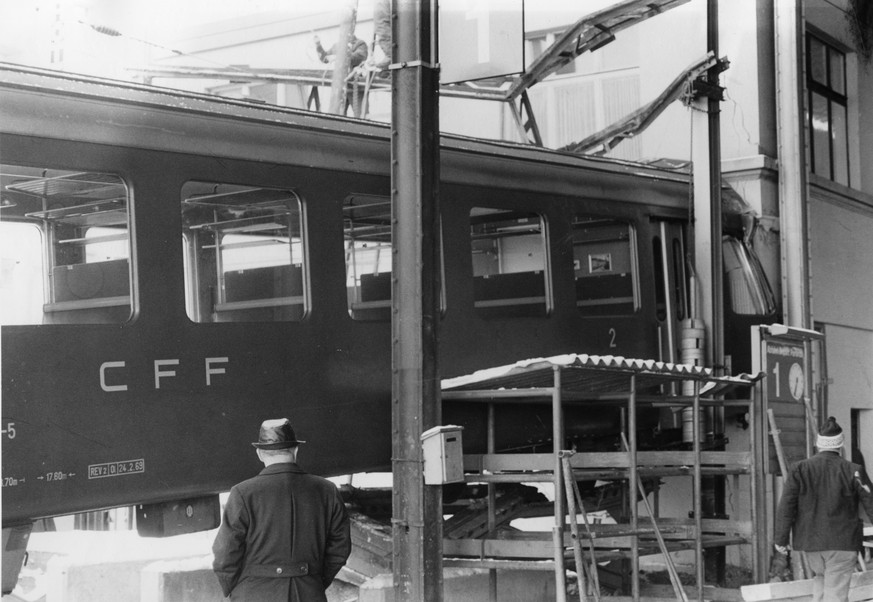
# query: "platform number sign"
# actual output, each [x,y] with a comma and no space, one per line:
[786,380]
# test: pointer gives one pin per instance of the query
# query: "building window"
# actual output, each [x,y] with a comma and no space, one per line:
[827,112]
[244,253]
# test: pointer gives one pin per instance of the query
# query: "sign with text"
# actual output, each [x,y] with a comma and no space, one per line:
[785,374]
[480,39]
[784,355]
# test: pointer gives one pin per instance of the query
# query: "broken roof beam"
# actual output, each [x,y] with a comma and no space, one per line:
[589,33]
[245,74]
[239,74]
[639,120]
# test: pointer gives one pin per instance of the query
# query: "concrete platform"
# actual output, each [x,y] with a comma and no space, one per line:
[120,566]
[471,585]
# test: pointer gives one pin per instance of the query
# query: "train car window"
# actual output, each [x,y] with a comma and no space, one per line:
[22,293]
[604,264]
[509,263]
[81,222]
[746,285]
[367,246]
[244,250]
[367,241]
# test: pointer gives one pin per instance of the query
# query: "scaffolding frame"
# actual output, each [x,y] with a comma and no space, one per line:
[584,379]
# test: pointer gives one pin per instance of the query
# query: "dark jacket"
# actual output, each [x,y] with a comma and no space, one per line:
[284,536]
[358,52]
[820,503]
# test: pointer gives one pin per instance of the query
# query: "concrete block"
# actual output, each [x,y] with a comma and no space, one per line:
[104,566]
[471,585]
[185,580]
[69,581]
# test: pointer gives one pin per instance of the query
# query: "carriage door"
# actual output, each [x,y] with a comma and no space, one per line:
[671,286]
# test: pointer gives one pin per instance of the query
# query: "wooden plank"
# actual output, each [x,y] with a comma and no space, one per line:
[508,462]
[506,565]
[710,525]
[520,464]
[542,546]
[861,588]
[657,458]
[652,591]
[529,477]
[498,548]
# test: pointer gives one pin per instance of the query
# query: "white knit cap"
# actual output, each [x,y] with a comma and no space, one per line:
[830,435]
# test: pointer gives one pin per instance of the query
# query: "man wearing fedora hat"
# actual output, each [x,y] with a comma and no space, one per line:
[819,505]
[285,533]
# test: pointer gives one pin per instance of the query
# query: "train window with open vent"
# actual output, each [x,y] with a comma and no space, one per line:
[367,240]
[605,266]
[746,286]
[367,247]
[510,263]
[66,249]
[244,253]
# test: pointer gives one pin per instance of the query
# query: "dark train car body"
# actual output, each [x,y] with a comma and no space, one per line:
[134,384]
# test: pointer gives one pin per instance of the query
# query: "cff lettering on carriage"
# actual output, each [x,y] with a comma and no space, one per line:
[112,374]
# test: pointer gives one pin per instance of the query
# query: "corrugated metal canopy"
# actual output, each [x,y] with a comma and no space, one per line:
[594,375]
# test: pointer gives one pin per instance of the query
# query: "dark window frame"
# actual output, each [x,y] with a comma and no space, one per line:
[222,216]
[833,97]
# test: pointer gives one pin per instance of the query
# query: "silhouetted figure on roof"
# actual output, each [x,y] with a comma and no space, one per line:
[357,48]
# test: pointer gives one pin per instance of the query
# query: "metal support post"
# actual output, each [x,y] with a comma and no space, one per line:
[417,508]
[632,490]
[560,509]
[698,505]
[492,500]
[792,157]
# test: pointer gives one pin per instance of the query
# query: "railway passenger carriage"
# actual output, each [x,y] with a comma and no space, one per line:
[186,266]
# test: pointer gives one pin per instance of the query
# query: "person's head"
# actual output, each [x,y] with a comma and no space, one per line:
[276,456]
[277,442]
[830,436]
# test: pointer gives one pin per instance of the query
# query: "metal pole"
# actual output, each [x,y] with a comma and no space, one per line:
[698,506]
[632,478]
[417,509]
[560,507]
[492,501]
[714,126]
[715,485]
[792,156]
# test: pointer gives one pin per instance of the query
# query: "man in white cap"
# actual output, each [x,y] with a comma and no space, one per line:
[285,533]
[819,505]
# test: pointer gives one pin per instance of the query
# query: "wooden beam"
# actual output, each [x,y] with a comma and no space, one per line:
[861,588]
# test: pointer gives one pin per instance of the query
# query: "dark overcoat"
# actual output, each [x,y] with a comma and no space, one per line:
[820,503]
[283,537]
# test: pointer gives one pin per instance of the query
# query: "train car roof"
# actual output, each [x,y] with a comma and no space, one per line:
[249,129]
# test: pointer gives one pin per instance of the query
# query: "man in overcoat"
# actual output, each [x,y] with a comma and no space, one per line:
[820,504]
[284,534]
